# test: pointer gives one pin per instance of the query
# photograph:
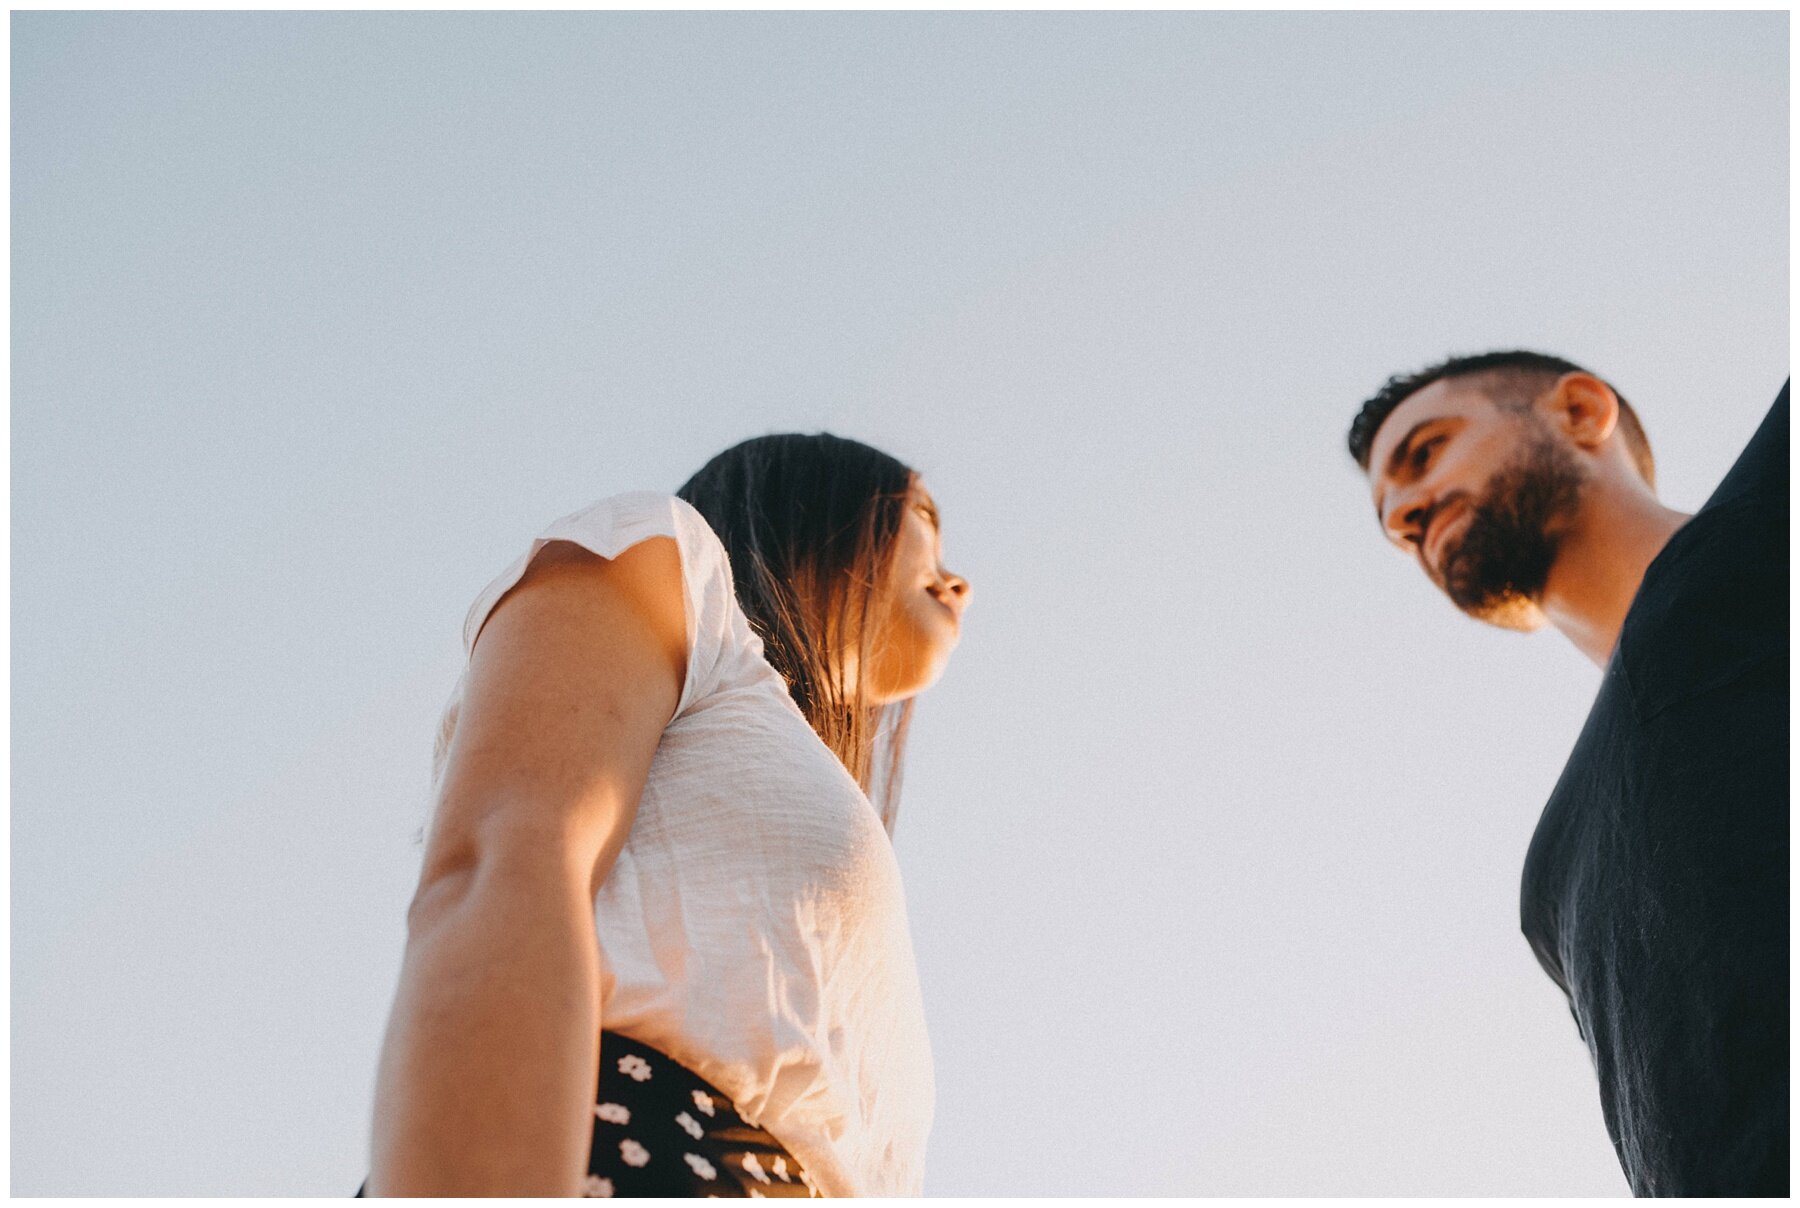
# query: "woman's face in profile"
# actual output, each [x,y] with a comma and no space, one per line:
[917,607]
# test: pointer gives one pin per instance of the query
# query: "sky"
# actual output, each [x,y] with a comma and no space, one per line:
[1212,830]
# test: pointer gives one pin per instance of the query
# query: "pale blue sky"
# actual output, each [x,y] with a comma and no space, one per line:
[1212,832]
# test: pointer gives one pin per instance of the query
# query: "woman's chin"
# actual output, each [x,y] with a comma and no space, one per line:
[906,684]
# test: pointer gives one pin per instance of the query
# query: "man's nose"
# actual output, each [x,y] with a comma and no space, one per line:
[1407,513]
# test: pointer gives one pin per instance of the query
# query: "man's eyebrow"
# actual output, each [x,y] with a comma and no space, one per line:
[1405,445]
[1398,456]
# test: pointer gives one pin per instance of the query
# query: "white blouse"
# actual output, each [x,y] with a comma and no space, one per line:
[753,926]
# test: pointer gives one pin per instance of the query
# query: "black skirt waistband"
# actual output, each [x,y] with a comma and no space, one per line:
[662,1130]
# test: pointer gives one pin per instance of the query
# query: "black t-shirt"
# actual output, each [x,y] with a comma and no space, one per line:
[1656,888]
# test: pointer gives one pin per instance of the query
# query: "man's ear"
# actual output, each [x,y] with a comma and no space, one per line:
[1582,407]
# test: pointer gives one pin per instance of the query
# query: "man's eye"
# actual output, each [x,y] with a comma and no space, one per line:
[1422,455]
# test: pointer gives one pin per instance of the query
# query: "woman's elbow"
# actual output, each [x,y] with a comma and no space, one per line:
[497,872]
[444,887]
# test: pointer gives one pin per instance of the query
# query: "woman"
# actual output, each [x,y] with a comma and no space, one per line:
[654,818]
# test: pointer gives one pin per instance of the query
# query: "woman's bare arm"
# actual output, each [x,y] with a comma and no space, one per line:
[488,1069]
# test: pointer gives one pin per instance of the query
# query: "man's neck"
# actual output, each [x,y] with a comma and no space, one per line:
[1602,561]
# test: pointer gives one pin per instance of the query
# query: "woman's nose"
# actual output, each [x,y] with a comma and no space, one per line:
[955,584]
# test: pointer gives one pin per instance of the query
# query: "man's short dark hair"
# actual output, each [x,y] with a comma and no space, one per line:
[1515,379]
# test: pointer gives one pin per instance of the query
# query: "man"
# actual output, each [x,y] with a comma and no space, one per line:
[1655,889]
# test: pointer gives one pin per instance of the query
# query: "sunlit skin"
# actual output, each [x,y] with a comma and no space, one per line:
[488,1069]
[1437,452]
[917,607]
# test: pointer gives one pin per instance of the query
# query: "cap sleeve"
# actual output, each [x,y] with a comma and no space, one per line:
[612,526]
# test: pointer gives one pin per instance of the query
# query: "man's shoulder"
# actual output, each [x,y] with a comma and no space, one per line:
[1714,604]
[1761,470]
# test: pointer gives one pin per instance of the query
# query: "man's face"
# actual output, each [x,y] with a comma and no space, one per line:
[1481,495]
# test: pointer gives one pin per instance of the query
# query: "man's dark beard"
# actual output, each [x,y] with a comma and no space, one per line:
[1498,570]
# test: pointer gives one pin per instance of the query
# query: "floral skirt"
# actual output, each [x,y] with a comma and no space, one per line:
[662,1130]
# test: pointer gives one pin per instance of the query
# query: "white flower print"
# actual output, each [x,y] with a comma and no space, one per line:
[779,1168]
[690,1126]
[754,1168]
[700,1165]
[757,1195]
[634,1067]
[613,1113]
[597,1188]
[703,1101]
[633,1154]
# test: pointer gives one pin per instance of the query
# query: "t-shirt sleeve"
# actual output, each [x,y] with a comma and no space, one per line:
[612,526]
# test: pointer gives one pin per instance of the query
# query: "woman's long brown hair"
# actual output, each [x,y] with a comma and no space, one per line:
[810,525]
